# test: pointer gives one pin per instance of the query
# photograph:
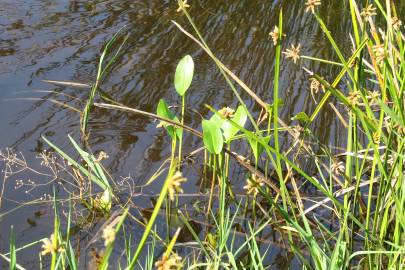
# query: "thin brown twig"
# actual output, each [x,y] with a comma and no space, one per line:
[70,84]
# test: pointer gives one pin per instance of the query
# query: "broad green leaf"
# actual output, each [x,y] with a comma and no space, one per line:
[215,118]
[184,75]
[239,118]
[212,136]
[164,111]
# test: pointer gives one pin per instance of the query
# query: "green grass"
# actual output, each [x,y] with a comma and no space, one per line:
[364,195]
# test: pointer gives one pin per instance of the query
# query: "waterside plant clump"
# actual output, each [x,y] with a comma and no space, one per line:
[360,191]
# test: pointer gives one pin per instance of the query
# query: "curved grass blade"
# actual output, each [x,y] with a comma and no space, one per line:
[100,73]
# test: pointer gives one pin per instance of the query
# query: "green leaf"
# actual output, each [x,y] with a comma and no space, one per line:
[164,111]
[93,165]
[396,118]
[100,180]
[280,102]
[301,117]
[217,119]
[110,246]
[212,136]
[71,257]
[239,118]
[172,243]
[13,256]
[184,75]
[106,200]
[338,256]
[257,148]
[212,240]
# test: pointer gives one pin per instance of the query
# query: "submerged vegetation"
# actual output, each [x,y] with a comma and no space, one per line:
[353,216]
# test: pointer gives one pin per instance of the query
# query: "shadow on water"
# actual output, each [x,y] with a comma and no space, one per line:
[62,40]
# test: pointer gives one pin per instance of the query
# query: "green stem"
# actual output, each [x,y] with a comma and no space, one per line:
[159,202]
[183,102]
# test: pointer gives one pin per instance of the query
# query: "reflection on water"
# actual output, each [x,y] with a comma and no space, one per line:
[62,40]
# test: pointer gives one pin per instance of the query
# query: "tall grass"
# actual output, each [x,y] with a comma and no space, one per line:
[362,188]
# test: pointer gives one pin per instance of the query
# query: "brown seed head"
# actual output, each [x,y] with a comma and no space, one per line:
[379,52]
[311,5]
[275,35]
[183,5]
[396,23]
[169,263]
[50,246]
[175,184]
[368,12]
[227,112]
[108,235]
[251,185]
[293,53]
[373,97]
[353,98]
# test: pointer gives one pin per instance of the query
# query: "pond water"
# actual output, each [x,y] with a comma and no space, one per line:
[63,39]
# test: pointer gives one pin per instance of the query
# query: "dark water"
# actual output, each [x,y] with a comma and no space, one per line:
[62,40]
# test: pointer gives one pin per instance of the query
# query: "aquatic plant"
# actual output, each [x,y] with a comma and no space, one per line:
[362,189]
